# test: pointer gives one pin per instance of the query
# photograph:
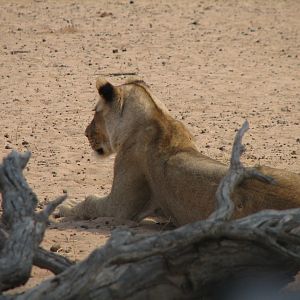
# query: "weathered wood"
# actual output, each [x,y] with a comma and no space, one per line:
[26,228]
[51,261]
[190,262]
[236,174]
[42,258]
[167,264]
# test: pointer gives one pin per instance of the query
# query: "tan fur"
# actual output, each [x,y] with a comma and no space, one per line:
[158,166]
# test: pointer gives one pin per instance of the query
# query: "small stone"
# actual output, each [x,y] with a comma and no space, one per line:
[8,147]
[105,14]
[55,247]
[115,51]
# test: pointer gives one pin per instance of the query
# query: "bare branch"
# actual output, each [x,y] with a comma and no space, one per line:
[49,209]
[51,261]
[238,148]
[236,174]
[26,229]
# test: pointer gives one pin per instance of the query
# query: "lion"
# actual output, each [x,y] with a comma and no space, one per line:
[158,168]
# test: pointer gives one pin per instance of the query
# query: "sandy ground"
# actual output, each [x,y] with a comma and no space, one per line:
[213,63]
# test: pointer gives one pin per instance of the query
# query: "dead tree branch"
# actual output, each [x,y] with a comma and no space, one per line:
[26,228]
[51,261]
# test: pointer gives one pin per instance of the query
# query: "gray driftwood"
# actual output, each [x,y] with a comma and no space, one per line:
[25,227]
[201,260]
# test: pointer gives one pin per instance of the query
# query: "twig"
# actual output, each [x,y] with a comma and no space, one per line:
[19,51]
[117,74]
[49,209]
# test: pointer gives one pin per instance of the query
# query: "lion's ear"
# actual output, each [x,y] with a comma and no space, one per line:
[106,90]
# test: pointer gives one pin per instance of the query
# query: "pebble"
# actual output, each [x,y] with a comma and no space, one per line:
[55,247]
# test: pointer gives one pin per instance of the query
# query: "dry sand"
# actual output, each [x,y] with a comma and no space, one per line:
[213,63]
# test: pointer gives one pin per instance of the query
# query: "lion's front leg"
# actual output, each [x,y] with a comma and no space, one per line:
[129,196]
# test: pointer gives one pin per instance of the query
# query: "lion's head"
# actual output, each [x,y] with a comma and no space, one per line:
[97,131]
[112,122]
[124,110]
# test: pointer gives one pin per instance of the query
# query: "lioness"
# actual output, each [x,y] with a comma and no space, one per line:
[158,164]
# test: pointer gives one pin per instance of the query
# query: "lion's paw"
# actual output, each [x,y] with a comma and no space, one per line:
[67,208]
[80,209]
[92,198]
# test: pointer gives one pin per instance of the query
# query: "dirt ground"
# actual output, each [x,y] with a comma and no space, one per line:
[213,63]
